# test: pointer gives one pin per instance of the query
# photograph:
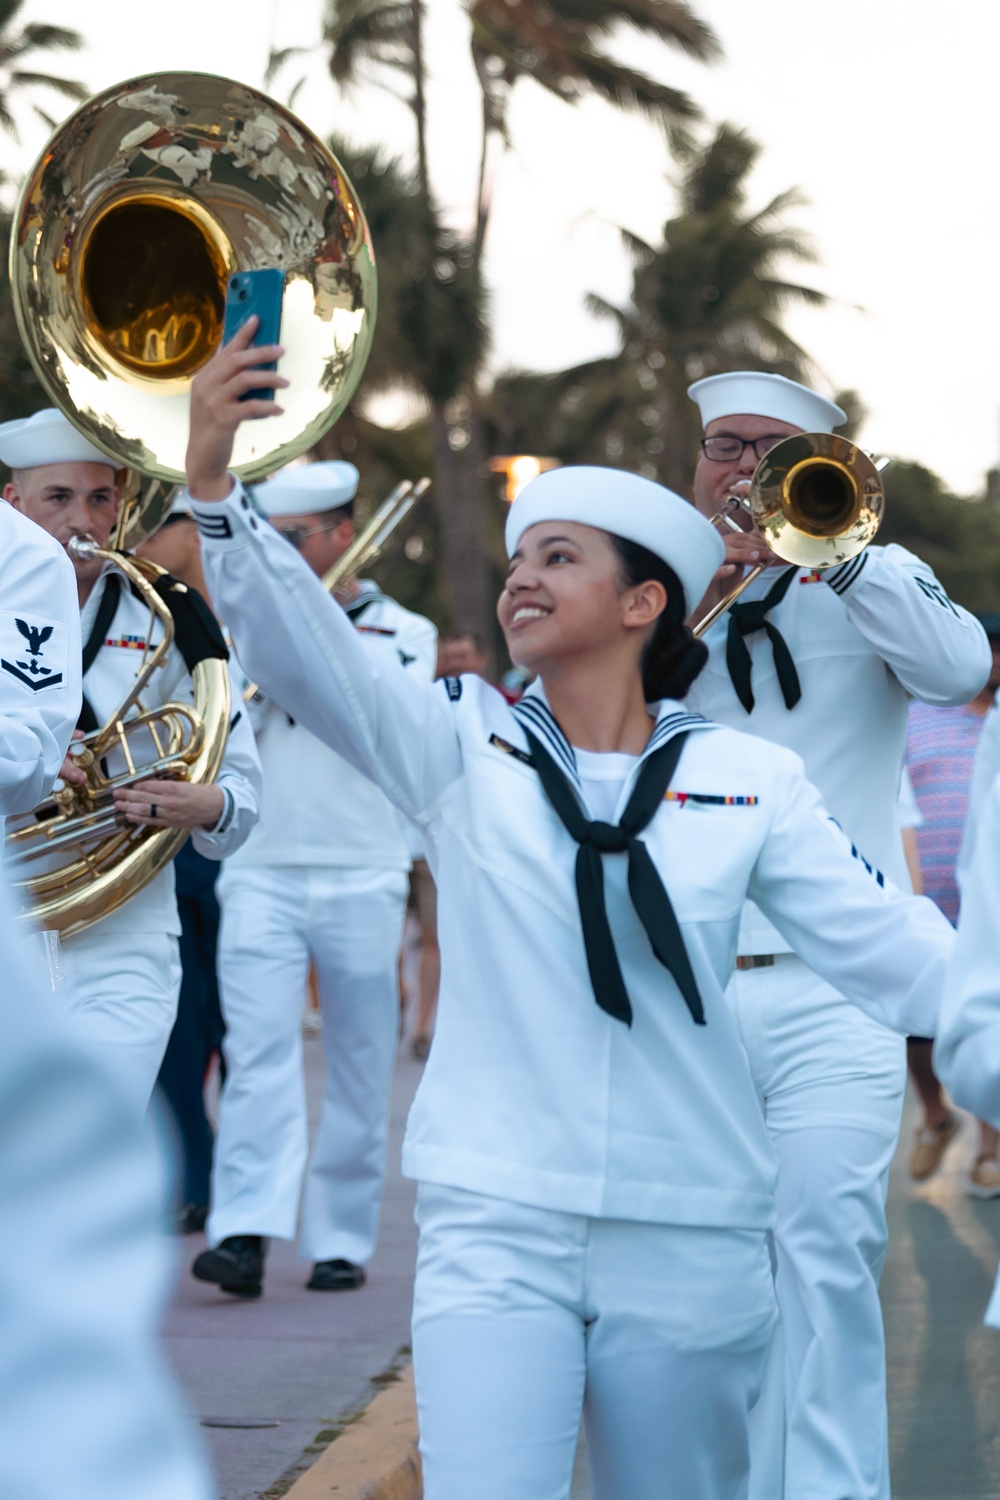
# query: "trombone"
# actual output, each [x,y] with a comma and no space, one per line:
[816,500]
[370,543]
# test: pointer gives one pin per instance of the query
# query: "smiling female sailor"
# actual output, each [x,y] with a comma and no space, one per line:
[596,1180]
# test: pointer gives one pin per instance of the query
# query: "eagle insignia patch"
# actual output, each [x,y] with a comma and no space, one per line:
[32,651]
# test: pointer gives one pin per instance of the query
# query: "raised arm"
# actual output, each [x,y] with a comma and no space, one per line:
[291,636]
[297,643]
[887,952]
[937,650]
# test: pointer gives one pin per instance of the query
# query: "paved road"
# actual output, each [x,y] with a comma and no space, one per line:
[944,1366]
[304,1359]
[296,1358]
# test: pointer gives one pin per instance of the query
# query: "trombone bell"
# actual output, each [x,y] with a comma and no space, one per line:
[816,499]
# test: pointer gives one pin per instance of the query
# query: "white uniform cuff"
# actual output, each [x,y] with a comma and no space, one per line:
[226,816]
[843,578]
[225,524]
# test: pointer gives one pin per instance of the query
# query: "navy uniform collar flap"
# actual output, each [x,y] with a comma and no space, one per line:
[534,713]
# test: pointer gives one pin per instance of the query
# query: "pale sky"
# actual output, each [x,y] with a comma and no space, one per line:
[883,112]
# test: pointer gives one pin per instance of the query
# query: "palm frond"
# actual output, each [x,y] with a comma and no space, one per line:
[367,31]
[42,38]
[277,60]
[68,87]
[670,20]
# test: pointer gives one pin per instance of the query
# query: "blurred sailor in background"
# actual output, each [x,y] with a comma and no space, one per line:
[124,970]
[323,879]
[824,663]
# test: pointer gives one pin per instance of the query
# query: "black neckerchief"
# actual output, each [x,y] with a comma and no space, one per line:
[649,896]
[88,720]
[744,620]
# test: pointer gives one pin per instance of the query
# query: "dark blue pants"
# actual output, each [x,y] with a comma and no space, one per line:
[199,1027]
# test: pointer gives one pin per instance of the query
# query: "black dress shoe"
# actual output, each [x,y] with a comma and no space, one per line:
[236,1265]
[336,1276]
[191,1218]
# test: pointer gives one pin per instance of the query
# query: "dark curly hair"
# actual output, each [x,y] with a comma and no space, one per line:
[673,657]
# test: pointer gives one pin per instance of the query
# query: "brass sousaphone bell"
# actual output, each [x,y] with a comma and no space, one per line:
[138,210]
[816,499]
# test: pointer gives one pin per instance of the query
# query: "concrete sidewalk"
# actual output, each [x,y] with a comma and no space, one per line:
[277,1372]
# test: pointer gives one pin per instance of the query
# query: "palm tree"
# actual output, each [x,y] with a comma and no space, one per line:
[430,338]
[709,298]
[379,42]
[20,46]
[562,45]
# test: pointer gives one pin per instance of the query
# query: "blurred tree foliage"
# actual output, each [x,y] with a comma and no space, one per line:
[565,48]
[20,48]
[20,390]
[708,298]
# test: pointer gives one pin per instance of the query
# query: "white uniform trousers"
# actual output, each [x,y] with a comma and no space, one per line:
[124,990]
[349,922]
[831,1081]
[524,1318]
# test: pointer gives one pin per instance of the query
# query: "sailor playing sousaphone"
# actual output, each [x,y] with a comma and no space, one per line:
[128,227]
[123,970]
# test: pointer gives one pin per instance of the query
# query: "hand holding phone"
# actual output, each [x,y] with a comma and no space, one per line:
[218,409]
[255,294]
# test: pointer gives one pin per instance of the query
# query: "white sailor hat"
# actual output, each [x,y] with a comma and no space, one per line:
[308,489]
[631,507]
[755,393]
[47,438]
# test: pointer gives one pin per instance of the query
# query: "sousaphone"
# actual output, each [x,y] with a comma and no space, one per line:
[138,210]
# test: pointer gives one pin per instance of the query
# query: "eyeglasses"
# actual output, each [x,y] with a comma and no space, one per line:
[297,535]
[728,448]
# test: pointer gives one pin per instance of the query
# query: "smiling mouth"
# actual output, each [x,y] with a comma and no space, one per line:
[525,614]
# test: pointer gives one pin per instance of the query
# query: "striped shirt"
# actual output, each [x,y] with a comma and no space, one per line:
[940,751]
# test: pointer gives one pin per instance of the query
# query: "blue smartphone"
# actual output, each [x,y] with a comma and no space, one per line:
[260,293]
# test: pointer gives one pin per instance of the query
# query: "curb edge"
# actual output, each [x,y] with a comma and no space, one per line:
[375,1458]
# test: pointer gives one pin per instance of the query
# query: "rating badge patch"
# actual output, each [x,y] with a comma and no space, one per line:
[32,650]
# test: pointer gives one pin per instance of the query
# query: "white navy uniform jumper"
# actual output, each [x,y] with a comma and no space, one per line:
[594,1197]
[39,661]
[125,971]
[323,878]
[865,638]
